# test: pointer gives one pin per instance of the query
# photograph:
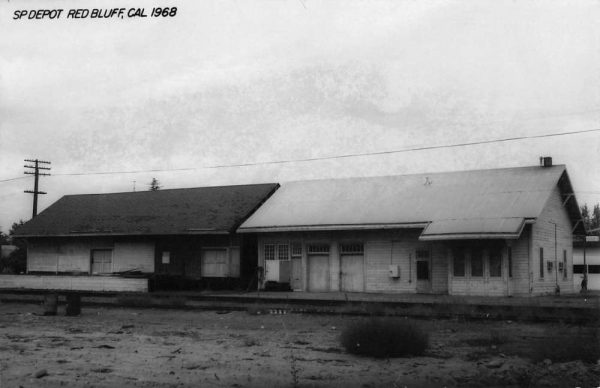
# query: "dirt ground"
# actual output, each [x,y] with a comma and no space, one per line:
[127,347]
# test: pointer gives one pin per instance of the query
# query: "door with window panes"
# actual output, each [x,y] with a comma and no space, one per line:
[296,277]
[277,262]
[318,267]
[352,267]
[423,270]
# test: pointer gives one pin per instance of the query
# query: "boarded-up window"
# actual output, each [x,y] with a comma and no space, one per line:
[541,262]
[476,263]
[459,262]
[101,261]
[215,263]
[133,256]
[495,263]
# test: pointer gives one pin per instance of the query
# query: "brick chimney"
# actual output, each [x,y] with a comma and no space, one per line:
[546,161]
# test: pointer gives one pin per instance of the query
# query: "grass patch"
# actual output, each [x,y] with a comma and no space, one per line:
[583,345]
[384,338]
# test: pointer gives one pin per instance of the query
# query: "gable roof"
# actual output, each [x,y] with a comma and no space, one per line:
[203,210]
[464,204]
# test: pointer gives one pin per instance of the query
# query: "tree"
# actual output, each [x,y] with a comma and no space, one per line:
[585,214]
[591,221]
[154,185]
[4,240]
[17,261]
[595,218]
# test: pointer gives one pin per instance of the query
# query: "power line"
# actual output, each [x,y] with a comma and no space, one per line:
[13,179]
[408,149]
[343,156]
[350,155]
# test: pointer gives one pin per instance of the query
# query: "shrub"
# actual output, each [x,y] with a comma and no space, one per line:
[384,338]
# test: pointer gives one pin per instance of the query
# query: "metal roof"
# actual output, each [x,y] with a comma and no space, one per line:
[491,202]
[203,210]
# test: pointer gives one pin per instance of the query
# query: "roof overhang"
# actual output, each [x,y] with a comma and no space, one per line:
[307,228]
[105,234]
[474,229]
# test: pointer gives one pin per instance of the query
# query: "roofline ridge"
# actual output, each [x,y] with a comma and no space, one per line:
[423,173]
[172,189]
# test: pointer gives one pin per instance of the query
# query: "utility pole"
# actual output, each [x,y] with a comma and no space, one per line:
[36,167]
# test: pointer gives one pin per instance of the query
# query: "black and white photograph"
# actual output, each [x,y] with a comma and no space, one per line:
[299,193]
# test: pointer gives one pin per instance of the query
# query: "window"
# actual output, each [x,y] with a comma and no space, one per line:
[510,262]
[101,261]
[351,249]
[283,252]
[269,252]
[476,263]
[318,249]
[296,250]
[541,262]
[495,263]
[459,262]
[593,268]
[422,254]
[564,263]
[166,258]
[276,252]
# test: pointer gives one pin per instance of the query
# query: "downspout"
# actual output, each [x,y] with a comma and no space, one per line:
[557,288]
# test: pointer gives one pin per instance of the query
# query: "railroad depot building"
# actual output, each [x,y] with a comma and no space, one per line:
[493,232]
[114,242]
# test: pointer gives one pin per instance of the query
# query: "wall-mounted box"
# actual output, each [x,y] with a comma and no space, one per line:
[394,271]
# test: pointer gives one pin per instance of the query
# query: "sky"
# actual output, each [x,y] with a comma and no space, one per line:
[226,82]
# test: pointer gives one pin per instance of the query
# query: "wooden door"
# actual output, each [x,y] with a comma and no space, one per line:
[352,274]
[215,263]
[318,273]
[423,270]
[296,280]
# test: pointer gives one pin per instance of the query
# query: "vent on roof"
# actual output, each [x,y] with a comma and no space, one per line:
[546,161]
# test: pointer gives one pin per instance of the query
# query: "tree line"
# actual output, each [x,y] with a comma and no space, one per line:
[591,219]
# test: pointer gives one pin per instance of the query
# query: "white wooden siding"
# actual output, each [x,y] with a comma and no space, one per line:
[543,236]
